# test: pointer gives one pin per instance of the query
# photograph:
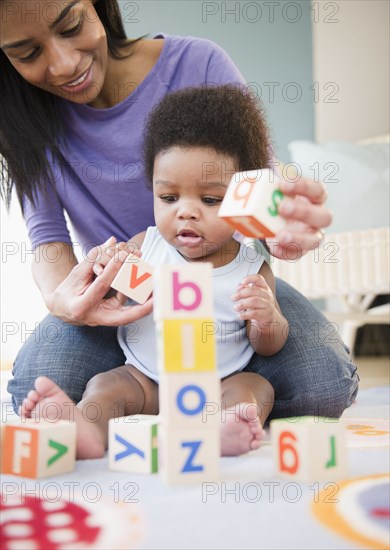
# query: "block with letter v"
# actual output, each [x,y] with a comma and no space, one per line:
[134,279]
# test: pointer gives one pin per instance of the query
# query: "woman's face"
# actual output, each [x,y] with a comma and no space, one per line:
[57,45]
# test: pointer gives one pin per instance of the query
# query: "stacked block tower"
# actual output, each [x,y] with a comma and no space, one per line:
[189,438]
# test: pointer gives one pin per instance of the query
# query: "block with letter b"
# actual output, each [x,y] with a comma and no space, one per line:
[132,443]
[134,279]
[251,202]
[191,401]
[183,290]
[310,448]
[38,449]
[189,457]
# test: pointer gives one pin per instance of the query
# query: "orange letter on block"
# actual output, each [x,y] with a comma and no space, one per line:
[287,447]
[20,454]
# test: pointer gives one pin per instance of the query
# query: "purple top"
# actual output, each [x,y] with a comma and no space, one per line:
[103,189]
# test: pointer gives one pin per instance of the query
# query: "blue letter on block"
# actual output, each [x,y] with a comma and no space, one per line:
[180,397]
[189,466]
[130,449]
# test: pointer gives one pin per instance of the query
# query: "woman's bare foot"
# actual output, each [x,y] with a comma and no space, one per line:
[48,401]
[241,430]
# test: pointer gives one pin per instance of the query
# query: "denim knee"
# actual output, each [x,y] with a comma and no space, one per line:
[68,354]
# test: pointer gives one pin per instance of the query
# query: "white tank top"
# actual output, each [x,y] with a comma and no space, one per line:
[138,339]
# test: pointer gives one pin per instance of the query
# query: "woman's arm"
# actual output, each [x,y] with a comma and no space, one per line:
[267,329]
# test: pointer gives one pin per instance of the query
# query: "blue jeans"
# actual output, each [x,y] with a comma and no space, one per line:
[311,375]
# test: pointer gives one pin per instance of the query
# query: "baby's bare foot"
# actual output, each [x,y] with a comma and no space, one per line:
[48,401]
[241,430]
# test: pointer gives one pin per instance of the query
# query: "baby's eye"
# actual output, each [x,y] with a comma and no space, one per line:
[168,198]
[211,200]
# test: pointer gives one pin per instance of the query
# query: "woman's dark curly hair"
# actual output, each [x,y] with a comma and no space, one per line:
[30,120]
[227,118]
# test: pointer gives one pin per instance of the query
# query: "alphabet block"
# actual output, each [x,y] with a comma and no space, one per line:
[185,345]
[251,203]
[189,457]
[183,290]
[310,448]
[134,279]
[190,401]
[132,443]
[35,450]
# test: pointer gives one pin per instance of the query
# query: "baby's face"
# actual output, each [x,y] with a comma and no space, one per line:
[188,186]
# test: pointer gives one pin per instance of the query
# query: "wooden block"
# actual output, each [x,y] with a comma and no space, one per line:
[189,457]
[132,443]
[190,401]
[184,290]
[251,203]
[310,448]
[134,279]
[186,345]
[38,449]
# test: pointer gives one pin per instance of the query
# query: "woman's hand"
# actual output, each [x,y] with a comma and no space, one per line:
[81,298]
[305,212]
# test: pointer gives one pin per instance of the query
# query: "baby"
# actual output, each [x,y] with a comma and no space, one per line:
[195,140]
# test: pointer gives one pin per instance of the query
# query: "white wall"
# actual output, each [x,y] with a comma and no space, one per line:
[351,67]
[21,305]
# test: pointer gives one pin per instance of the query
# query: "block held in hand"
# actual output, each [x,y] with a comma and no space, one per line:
[134,279]
[251,203]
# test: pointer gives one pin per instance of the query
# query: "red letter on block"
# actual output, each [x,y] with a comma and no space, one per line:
[287,447]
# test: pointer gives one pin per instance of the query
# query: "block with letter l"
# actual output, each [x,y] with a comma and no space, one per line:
[310,448]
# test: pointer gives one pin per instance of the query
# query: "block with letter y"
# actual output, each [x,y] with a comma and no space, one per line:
[132,443]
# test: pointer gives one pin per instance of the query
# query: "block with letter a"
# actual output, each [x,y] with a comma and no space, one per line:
[34,450]
[310,448]
[251,203]
[134,279]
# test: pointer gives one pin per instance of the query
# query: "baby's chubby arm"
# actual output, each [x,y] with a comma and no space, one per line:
[256,303]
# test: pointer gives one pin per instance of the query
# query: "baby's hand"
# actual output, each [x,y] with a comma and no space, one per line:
[255,300]
[112,251]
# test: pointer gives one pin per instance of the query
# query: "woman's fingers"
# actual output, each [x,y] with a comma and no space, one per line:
[313,190]
[314,215]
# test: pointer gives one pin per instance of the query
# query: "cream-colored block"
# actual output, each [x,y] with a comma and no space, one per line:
[190,401]
[189,457]
[132,443]
[251,203]
[38,449]
[186,345]
[134,279]
[183,290]
[310,448]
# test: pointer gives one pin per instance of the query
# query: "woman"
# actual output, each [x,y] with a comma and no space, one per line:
[75,96]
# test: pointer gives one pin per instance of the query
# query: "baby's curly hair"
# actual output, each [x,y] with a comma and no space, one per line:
[227,118]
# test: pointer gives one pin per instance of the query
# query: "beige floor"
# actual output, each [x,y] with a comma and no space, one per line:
[373,371]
